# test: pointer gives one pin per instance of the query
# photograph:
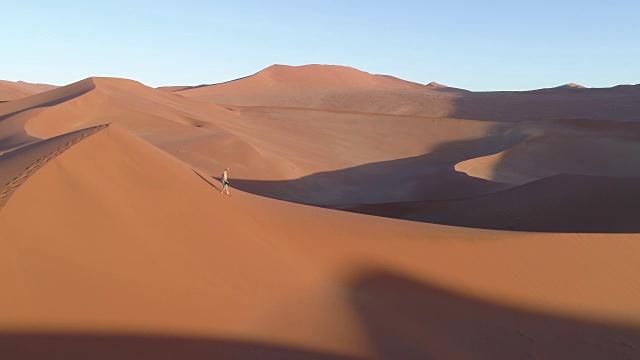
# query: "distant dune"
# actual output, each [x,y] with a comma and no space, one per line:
[14,90]
[342,88]
[115,242]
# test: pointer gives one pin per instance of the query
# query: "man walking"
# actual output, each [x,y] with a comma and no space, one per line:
[225,182]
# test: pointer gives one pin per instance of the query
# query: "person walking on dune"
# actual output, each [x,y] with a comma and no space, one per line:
[225,182]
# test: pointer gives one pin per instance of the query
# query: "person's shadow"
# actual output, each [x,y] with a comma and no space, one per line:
[207,180]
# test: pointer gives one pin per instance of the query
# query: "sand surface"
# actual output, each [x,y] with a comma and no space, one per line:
[115,242]
[10,90]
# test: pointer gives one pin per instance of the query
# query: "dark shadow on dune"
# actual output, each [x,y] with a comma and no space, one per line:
[427,188]
[78,346]
[403,318]
[426,177]
[207,85]
[408,319]
[206,180]
[562,203]
[14,142]
[619,103]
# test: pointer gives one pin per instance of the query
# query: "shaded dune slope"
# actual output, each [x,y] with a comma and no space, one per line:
[149,256]
[579,147]
[561,203]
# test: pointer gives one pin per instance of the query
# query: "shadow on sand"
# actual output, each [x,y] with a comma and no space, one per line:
[408,319]
[427,188]
[431,176]
[208,181]
[404,319]
[76,346]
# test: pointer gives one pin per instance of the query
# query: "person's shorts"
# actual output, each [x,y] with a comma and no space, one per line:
[225,185]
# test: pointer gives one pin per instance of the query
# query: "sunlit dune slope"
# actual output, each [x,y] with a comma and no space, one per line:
[323,87]
[162,118]
[114,236]
[17,166]
[95,101]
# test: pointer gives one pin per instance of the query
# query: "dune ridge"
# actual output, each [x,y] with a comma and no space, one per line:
[19,179]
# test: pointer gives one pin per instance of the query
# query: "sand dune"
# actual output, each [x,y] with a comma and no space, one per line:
[115,242]
[17,166]
[10,90]
[339,88]
[144,246]
[312,156]
[325,156]
[579,147]
[266,144]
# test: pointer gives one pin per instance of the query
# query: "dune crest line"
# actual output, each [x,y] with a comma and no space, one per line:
[12,185]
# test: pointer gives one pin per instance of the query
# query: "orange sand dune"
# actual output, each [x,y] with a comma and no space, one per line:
[342,88]
[16,115]
[332,157]
[264,144]
[399,159]
[14,90]
[114,244]
[96,101]
[169,121]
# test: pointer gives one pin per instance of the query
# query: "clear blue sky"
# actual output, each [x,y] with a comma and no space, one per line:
[476,45]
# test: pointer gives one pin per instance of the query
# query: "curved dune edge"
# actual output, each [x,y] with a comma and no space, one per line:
[17,181]
[578,147]
[128,239]
[560,203]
